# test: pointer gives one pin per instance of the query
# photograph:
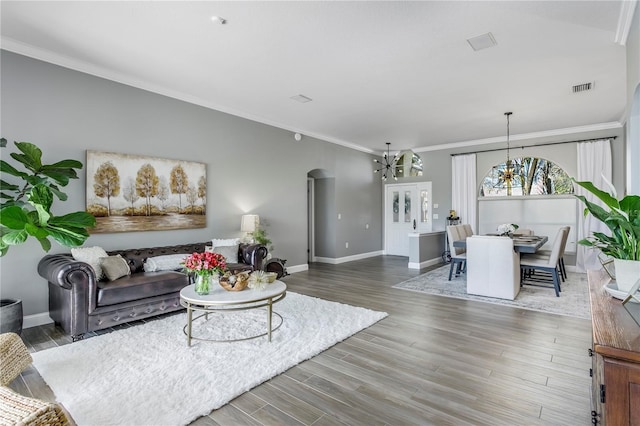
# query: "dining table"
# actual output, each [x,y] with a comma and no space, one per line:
[521,243]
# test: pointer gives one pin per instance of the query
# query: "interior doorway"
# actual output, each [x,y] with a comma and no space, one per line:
[310,220]
[320,214]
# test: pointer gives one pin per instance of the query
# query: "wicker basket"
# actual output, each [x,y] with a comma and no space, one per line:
[237,282]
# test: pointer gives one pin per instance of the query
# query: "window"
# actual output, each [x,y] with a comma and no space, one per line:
[530,176]
[408,164]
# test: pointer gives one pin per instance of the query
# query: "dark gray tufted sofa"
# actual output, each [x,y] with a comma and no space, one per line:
[80,304]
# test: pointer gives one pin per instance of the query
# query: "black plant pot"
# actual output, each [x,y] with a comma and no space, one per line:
[11,316]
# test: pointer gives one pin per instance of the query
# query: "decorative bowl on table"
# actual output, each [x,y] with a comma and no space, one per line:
[234,282]
[259,280]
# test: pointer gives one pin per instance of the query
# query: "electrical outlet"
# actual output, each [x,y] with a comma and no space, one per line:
[435,215]
[366,226]
[339,216]
[435,206]
[346,245]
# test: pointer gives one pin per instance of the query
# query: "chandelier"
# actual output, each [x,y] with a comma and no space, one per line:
[387,165]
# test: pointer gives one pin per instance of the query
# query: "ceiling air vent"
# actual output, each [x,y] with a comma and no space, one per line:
[582,87]
[482,41]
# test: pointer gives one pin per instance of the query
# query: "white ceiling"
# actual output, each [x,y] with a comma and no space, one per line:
[396,71]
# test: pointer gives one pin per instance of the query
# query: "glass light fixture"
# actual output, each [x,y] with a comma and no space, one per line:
[387,165]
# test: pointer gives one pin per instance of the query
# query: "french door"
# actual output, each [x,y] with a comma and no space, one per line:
[407,209]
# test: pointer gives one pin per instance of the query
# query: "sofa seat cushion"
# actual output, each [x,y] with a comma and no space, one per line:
[140,286]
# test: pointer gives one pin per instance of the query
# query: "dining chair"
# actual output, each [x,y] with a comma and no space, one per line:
[549,264]
[546,253]
[492,267]
[468,230]
[458,255]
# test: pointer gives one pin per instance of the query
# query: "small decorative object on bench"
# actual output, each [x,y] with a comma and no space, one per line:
[234,282]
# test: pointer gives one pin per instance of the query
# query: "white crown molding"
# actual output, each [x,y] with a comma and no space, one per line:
[524,136]
[31,51]
[627,8]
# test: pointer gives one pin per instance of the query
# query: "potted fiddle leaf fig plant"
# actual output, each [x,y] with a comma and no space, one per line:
[26,198]
[622,217]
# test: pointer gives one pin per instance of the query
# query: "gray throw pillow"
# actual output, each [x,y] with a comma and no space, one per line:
[115,267]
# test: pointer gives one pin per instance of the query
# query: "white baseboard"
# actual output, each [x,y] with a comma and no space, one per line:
[430,262]
[297,268]
[338,260]
[36,320]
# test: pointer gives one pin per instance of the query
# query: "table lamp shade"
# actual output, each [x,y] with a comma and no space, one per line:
[249,222]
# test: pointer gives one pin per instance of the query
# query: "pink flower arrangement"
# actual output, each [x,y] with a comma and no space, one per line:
[206,263]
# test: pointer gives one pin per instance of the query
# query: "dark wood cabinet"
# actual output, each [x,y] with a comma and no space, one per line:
[616,358]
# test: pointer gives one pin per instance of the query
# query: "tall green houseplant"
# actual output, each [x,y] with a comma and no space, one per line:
[27,197]
[622,217]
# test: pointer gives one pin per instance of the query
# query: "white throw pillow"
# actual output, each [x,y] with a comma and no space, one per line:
[230,253]
[169,262]
[90,255]
[217,242]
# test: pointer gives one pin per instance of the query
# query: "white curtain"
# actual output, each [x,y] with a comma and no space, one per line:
[464,191]
[594,165]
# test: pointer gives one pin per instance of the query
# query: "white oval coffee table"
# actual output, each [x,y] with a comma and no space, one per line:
[220,300]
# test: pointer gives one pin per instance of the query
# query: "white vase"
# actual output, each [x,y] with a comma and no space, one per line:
[627,273]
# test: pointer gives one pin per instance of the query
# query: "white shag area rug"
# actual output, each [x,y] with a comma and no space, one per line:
[573,300]
[147,375]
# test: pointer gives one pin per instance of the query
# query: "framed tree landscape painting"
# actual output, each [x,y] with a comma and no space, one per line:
[138,193]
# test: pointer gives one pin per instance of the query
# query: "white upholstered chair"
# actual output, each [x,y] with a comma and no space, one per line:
[458,255]
[467,229]
[493,267]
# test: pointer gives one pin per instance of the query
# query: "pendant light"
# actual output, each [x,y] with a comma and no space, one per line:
[507,175]
[387,165]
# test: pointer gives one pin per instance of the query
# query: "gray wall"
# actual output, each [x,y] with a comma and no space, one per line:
[251,167]
[633,105]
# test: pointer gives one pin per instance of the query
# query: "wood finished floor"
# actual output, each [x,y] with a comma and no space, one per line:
[432,361]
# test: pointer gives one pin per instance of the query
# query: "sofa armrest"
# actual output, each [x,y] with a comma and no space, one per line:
[253,254]
[63,270]
[71,276]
